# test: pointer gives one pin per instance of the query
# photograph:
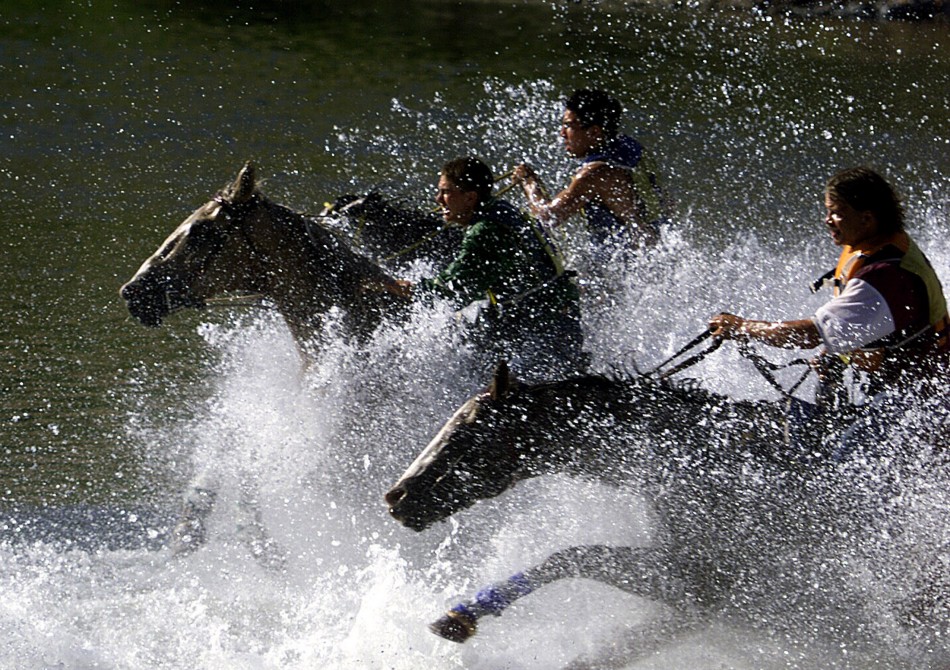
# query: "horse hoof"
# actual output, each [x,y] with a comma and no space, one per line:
[187,537]
[454,626]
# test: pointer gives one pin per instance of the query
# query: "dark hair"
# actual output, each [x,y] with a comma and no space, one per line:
[865,190]
[470,174]
[596,108]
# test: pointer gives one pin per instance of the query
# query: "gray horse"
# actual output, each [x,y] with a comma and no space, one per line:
[239,241]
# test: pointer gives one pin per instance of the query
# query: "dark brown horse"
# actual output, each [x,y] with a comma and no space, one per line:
[239,241]
[614,430]
[744,523]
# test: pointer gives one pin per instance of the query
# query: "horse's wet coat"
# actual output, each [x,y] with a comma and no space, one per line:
[241,242]
[397,236]
[742,525]
[615,430]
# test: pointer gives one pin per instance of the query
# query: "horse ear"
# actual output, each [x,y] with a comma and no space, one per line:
[245,183]
[501,383]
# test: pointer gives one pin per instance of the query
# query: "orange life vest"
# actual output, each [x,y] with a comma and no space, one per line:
[911,259]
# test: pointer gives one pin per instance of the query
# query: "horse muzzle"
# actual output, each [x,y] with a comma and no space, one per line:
[394,499]
[151,302]
[410,513]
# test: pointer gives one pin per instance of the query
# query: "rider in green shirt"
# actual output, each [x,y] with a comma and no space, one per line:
[505,266]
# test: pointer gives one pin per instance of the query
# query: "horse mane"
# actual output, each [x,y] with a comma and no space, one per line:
[618,379]
[314,233]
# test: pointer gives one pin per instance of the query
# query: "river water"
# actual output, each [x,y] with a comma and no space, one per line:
[120,118]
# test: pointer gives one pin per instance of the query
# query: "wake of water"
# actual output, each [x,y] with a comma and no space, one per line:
[312,449]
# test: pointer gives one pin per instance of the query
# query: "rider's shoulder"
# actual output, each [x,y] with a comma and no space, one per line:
[501,211]
[599,171]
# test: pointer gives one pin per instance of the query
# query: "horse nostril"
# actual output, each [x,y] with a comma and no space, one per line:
[395,495]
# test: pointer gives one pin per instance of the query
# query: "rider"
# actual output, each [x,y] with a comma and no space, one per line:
[507,266]
[888,316]
[617,184]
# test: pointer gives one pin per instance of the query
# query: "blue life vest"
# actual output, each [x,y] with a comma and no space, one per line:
[625,151]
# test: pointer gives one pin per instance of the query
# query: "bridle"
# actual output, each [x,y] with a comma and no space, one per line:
[174,293]
[235,214]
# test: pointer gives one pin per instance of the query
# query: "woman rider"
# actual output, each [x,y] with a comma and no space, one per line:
[509,266]
[616,186]
[888,315]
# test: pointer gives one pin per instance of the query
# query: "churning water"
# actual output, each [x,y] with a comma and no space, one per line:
[343,586]
[750,117]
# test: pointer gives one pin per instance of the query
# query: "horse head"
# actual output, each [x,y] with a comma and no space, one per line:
[201,258]
[241,241]
[477,454]
[370,204]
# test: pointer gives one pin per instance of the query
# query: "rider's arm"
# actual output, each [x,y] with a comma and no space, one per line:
[797,334]
[860,315]
[594,182]
[562,206]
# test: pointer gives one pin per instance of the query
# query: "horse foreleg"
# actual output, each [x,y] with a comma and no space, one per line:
[251,528]
[190,531]
[637,570]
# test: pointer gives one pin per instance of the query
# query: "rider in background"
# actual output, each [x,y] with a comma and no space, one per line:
[616,186]
[506,275]
[887,317]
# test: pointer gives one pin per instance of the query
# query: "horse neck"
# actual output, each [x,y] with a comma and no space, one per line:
[568,420]
[309,269]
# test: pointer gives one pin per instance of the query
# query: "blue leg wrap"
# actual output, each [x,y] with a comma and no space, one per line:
[496,598]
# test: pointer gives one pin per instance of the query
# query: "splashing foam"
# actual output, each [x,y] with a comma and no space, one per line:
[309,450]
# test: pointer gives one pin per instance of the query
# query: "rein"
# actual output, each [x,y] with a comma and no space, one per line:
[692,360]
[762,365]
[232,211]
[766,367]
[241,300]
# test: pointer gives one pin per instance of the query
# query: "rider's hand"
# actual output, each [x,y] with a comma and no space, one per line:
[522,173]
[401,288]
[727,326]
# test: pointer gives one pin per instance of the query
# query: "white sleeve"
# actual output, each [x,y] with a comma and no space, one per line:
[858,316]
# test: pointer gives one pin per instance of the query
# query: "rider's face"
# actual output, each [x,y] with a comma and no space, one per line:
[457,205]
[848,225]
[579,140]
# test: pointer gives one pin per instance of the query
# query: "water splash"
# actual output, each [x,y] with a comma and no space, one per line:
[306,452]
[316,446]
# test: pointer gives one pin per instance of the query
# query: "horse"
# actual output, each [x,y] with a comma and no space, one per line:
[395,235]
[514,431]
[738,507]
[239,241]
